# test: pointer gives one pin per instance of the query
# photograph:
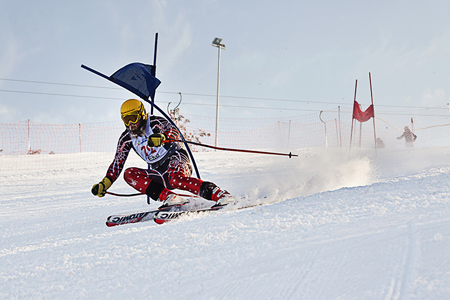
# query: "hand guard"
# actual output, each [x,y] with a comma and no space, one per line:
[156,139]
[100,188]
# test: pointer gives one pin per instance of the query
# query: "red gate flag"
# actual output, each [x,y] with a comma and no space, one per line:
[360,115]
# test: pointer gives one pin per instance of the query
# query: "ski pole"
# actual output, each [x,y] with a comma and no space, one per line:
[124,195]
[230,149]
[138,194]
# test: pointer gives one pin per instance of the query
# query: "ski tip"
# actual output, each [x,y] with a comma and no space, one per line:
[159,221]
[109,223]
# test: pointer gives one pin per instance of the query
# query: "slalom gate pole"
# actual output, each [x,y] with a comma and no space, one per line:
[152,99]
[371,98]
[353,117]
[230,149]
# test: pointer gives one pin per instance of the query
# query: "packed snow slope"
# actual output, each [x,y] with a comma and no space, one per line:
[333,225]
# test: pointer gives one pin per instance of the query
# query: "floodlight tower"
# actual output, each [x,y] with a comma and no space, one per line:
[217,42]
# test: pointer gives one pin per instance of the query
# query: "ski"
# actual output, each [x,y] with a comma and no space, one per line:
[162,217]
[116,220]
[166,214]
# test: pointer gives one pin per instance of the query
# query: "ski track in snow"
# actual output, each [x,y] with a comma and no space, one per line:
[333,225]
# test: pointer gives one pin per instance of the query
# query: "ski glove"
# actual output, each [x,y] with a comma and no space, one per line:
[100,188]
[156,139]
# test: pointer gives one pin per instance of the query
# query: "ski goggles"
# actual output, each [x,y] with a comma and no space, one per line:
[128,119]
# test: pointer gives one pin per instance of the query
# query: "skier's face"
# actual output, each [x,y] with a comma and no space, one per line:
[134,126]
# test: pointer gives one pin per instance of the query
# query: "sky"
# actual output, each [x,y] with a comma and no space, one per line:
[282,58]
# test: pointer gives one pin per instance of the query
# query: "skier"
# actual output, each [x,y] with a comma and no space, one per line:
[170,168]
[409,136]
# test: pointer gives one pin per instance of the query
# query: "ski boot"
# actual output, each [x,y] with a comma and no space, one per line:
[210,191]
[173,200]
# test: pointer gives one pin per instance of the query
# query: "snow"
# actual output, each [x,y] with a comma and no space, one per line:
[332,225]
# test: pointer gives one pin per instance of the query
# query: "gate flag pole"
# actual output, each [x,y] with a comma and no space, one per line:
[353,115]
[154,68]
[363,116]
[371,97]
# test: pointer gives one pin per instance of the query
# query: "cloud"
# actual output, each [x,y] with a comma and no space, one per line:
[4,110]
[9,58]
[171,22]
[14,50]
[434,98]
[436,50]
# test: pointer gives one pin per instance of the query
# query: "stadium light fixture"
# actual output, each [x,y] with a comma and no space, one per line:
[217,42]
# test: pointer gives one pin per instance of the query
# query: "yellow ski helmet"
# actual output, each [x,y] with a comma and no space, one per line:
[132,111]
